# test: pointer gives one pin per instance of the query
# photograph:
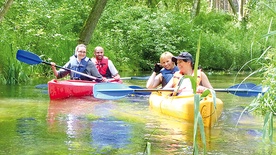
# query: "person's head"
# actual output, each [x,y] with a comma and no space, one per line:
[99,52]
[166,60]
[80,51]
[184,60]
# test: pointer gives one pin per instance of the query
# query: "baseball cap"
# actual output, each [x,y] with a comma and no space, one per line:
[183,56]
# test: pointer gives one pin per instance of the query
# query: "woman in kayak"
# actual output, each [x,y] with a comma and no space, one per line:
[80,63]
[183,85]
[162,72]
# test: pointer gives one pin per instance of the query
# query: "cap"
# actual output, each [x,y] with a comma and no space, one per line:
[183,56]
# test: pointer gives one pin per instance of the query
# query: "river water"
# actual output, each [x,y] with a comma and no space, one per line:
[32,124]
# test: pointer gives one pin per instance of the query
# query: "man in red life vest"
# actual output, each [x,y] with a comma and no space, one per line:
[105,66]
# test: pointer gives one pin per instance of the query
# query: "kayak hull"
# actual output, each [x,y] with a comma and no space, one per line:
[61,89]
[183,107]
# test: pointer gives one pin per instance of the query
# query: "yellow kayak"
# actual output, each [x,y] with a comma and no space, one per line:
[183,107]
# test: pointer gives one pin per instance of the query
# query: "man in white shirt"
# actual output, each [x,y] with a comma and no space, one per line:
[105,66]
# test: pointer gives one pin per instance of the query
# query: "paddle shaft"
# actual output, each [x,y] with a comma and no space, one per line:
[116,91]
[237,90]
[92,77]
[135,78]
[135,90]
[33,59]
[170,90]
[83,74]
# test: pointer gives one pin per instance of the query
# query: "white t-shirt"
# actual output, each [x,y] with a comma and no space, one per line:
[112,68]
[186,87]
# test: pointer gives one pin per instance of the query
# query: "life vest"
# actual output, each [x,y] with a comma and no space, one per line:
[102,66]
[167,75]
[78,66]
[177,76]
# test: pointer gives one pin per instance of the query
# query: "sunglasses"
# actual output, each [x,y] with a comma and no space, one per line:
[181,60]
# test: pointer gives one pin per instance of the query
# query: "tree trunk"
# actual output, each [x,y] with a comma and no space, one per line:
[196,8]
[232,7]
[92,21]
[5,9]
[241,10]
[212,2]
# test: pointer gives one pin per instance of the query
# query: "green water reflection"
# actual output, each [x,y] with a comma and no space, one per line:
[32,124]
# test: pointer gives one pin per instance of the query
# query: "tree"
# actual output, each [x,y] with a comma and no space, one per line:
[196,8]
[5,9]
[241,15]
[92,21]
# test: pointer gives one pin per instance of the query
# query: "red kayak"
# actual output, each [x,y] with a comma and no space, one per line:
[71,88]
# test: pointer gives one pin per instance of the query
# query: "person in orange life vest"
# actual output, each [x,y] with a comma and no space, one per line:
[104,65]
[186,67]
[78,62]
[162,75]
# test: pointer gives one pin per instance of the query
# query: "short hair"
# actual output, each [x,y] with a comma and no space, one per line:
[98,47]
[78,46]
[166,55]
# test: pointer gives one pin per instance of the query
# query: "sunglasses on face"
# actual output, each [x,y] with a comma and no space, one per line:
[182,60]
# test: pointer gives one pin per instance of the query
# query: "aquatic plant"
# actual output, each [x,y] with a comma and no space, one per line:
[265,104]
[198,120]
[13,73]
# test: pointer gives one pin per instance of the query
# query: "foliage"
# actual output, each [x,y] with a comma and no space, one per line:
[144,33]
[265,104]
[40,27]
[133,33]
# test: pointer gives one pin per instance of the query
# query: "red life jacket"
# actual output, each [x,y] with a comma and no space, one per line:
[102,65]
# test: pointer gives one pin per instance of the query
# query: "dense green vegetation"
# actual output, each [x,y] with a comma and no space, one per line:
[265,104]
[133,34]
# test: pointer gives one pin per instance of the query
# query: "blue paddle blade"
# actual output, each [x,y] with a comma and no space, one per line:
[27,57]
[246,90]
[111,91]
[139,93]
[243,86]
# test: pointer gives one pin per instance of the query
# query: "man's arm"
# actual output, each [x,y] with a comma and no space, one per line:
[113,70]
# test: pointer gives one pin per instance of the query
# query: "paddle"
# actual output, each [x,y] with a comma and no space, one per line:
[244,90]
[45,86]
[139,92]
[115,91]
[33,59]
[135,78]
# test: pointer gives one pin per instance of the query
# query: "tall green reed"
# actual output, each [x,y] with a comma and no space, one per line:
[264,105]
[12,71]
[198,120]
